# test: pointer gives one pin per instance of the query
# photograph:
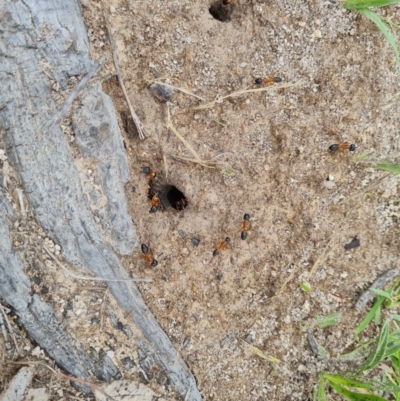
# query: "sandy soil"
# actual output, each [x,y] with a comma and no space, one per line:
[271,146]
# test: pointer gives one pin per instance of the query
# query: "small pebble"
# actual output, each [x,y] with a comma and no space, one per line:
[186,341]
[243,64]
[161,92]
[195,241]
[219,276]
[113,10]
[182,234]
[120,326]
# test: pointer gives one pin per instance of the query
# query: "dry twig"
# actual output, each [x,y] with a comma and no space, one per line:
[183,90]
[135,118]
[146,280]
[242,92]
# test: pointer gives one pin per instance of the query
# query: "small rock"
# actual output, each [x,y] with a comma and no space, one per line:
[113,10]
[182,234]
[243,65]
[331,177]
[161,92]
[195,241]
[186,341]
[317,34]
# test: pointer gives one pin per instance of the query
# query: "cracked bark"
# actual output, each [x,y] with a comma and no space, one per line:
[64,204]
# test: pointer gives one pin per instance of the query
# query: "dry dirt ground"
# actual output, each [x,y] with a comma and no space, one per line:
[271,147]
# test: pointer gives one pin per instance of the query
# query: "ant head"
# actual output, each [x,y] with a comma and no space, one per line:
[146,170]
[145,249]
[154,263]
[352,147]
[258,81]
[246,217]
[227,239]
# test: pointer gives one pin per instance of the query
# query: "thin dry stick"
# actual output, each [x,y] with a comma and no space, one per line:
[181,138]
[367,190]
[68,101]
[283,286]
[102,308]
[166,165]
[5,336]
[147,280]
[195,161]
[118,71]
[21,201]
[68,377]
[323,255]
[183,90]
[10,329]
[242,92]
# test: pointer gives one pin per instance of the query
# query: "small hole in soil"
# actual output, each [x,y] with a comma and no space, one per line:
[221,10]
[176,198]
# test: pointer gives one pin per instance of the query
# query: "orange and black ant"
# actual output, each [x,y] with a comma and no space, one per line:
[246,225]
[342,146]
[221,246]
[148,256]
[267,81]
[181,204]
[150,173]
[155,204]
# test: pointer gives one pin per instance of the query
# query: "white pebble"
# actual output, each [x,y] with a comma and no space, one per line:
[113,10]
[243,64]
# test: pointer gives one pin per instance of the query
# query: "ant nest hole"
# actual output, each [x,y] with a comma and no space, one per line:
[169,196]
[221,10]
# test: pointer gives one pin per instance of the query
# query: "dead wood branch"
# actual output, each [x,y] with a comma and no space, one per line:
[135,118]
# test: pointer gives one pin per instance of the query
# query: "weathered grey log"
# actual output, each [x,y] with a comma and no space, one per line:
[367,295]
[37,317]
[52,30]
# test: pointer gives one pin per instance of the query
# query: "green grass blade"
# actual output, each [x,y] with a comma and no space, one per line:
[392,348]
[319,395]
[345,381]
[360,4]
[328,320]
[387,33]
[360,352]
[369,316]
[381,292]
[352,396]
[305,287]
[391,168]
[379,352]
[362,157]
